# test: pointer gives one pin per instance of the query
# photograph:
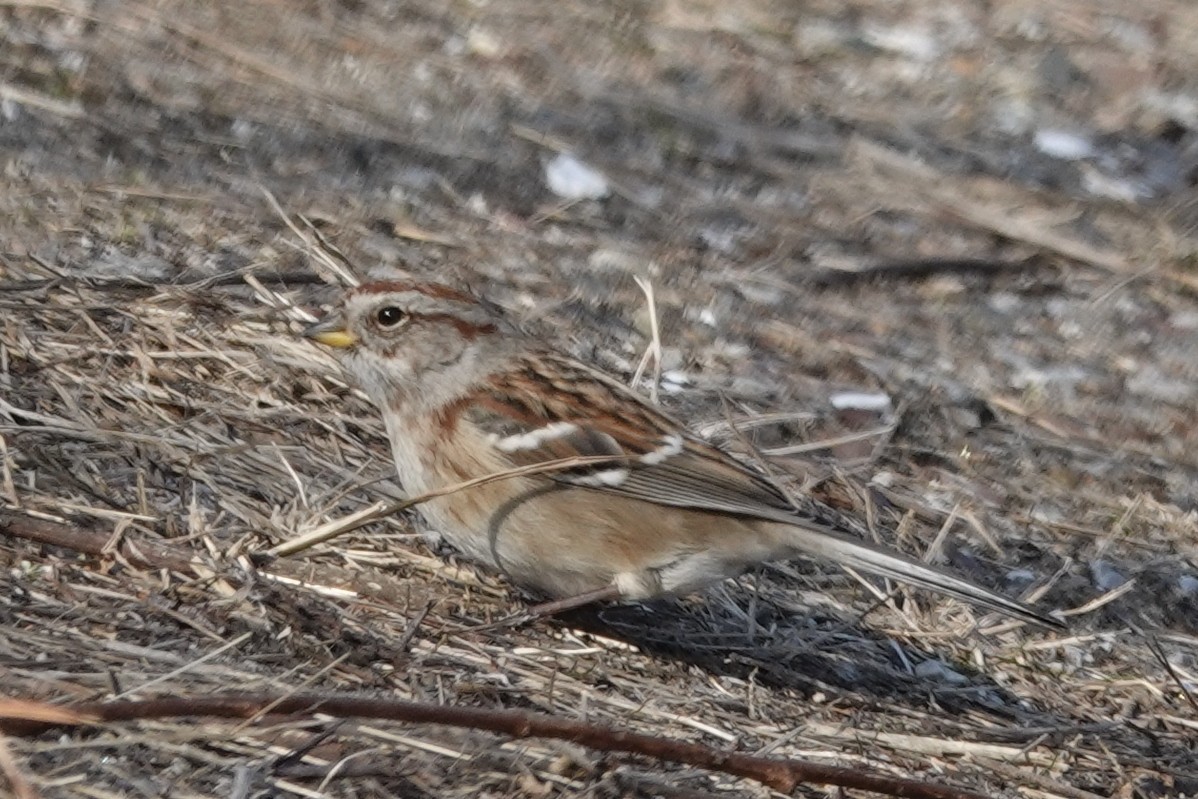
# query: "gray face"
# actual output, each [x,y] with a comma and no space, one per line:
[407,344]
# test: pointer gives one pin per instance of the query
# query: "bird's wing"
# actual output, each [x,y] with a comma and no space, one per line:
[649,456]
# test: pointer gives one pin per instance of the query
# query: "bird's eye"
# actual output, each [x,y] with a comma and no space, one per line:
[390,316]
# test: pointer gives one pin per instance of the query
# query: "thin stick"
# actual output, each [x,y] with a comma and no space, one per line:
[779,774]
[1154,644]
[380,509]
[338,269]
[653,351]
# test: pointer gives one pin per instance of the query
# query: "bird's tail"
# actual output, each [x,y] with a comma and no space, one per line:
[818,540]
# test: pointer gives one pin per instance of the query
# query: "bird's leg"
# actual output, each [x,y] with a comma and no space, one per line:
[607,593]
[545,609]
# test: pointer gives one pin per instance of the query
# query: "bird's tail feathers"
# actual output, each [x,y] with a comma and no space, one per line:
[848,551]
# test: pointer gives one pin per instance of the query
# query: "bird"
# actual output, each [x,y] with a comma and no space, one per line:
[596,494]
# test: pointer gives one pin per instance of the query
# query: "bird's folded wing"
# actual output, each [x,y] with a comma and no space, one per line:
[652,458]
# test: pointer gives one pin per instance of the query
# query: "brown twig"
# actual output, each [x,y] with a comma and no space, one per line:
[142,554]
[779,774]
[917,269]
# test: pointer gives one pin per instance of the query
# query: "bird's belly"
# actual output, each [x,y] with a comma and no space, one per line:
[532,533]
[566,540]
[516,525]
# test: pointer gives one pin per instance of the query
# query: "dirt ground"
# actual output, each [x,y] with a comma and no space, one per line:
[984,210]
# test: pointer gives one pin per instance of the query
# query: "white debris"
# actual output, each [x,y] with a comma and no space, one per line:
[914,42]
[572,179]
[860,401]
[1066,376]
[1063,144]
[884,480]
[819,37]
[1173,105]
[242,129]
[477,204]
[1184,320]
[1004,302]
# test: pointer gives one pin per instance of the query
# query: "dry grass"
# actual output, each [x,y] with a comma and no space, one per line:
[153,388]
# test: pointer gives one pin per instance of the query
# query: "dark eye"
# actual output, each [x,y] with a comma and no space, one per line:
[390,316]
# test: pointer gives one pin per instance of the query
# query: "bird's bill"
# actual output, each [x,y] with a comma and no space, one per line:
[331,332]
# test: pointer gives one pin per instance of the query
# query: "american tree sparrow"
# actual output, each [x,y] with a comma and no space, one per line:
[644,509]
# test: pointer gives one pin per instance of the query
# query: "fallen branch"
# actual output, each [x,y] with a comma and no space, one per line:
[24,718]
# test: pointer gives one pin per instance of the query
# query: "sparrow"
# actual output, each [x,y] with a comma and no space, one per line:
[605,495]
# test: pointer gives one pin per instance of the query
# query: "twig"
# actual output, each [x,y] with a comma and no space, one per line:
[986,216]
[15,94]
[653,351]
[1154,644]
[916,269]
[189,665]
[325,253]
[938,747]
[146,554]
[829,443]
[409,633]
[780,774]
[1102,599]
[381,509]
